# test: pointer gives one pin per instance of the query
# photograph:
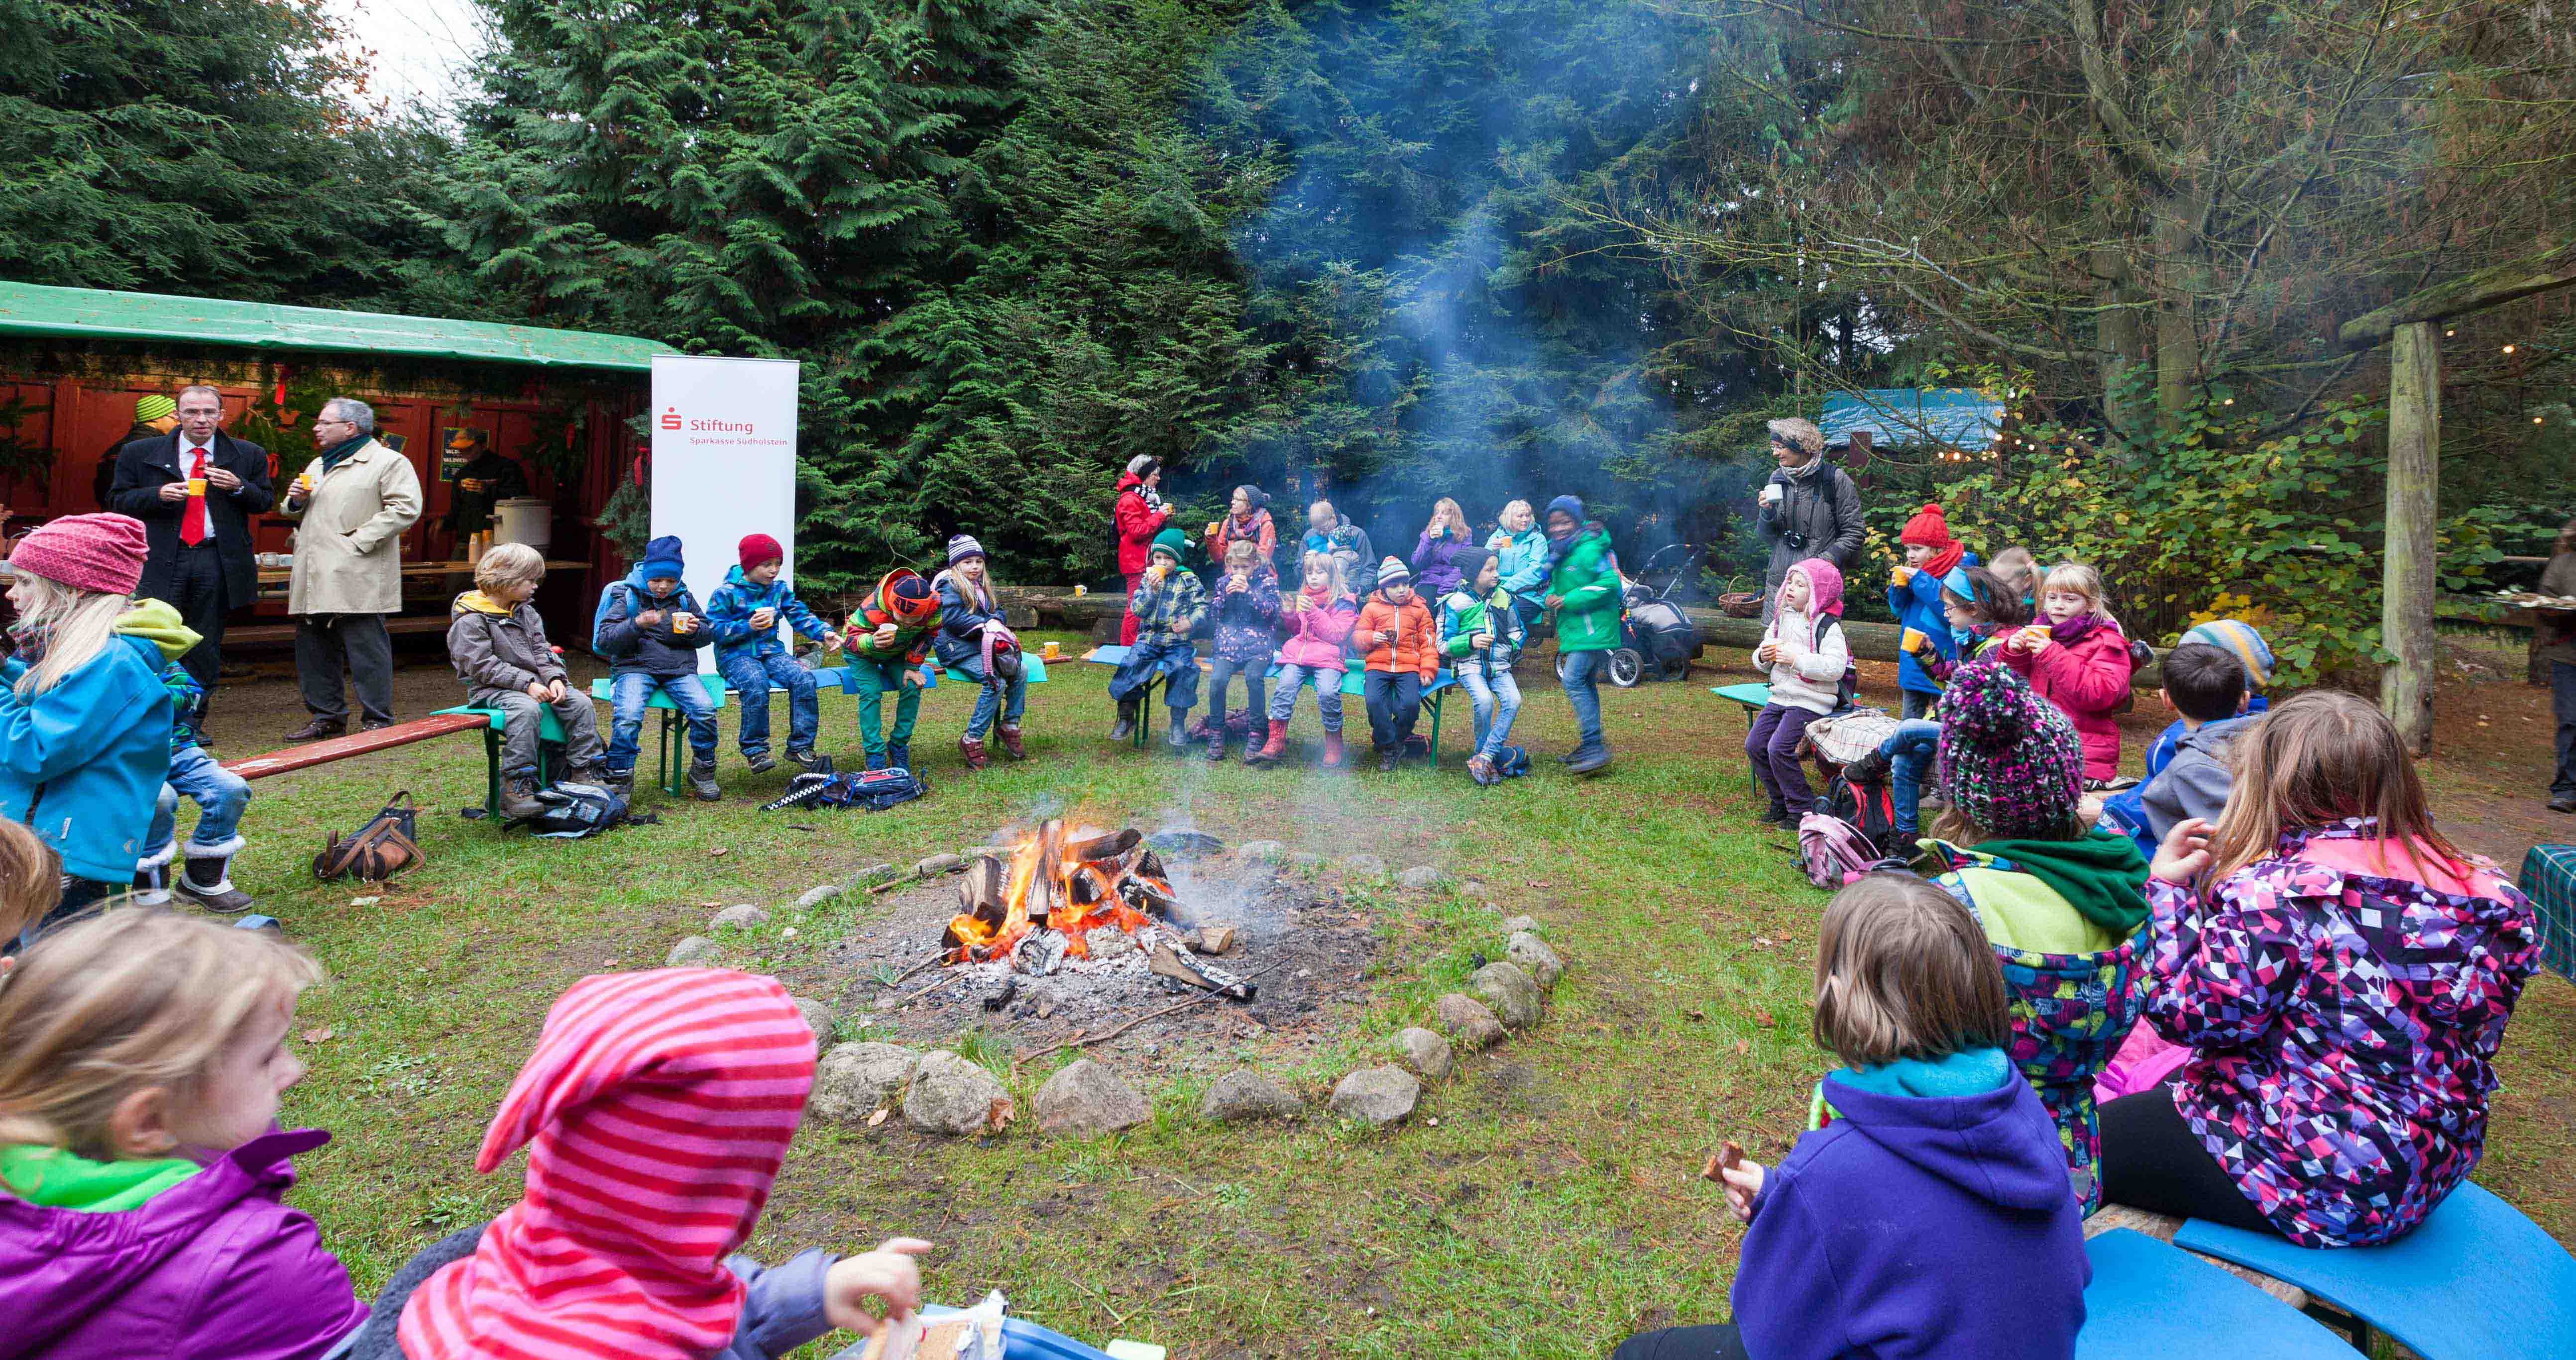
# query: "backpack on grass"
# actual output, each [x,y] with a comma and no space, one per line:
[1869,809]
[577,811]
[874,790]
[1833,851]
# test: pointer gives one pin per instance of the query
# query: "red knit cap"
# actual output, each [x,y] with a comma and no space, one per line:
[86,552]
[759,548]
[1927,528]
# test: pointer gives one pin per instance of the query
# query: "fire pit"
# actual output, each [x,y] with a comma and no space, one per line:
[1046,904]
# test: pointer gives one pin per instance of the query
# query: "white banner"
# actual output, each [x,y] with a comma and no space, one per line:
[724,461]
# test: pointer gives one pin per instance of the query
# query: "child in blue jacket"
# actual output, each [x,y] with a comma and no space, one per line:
[743,615]
[650,628]
[84,719]
[1914,596]
[1929,1172]
[221,796]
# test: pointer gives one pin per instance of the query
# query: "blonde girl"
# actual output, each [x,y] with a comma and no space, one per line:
[2074,654]
[84,718]
[1928,1133]
[2339,970]
[142,1055]
[1435,554]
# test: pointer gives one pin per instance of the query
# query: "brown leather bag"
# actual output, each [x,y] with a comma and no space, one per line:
[377,851]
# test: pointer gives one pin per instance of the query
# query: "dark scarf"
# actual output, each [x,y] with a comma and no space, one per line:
[2073,631]
[30,641]
[339,453]
[2102,876]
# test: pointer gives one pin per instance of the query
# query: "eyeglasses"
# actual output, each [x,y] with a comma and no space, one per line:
[318,424]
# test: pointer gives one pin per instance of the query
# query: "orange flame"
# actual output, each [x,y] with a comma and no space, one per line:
[1045,884]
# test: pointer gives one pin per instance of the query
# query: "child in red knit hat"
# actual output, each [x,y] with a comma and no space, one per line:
[1914,596]
[84,719]
[744,613]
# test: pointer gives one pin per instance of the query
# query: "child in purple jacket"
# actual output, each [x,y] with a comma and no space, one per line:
[1245,600]
[1927,1211]
[142,1174]
[2343,976]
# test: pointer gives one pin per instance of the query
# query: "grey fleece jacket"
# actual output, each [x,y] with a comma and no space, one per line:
[2196,782]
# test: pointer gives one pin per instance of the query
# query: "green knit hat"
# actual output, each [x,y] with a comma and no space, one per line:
[1169,541]
[154,407]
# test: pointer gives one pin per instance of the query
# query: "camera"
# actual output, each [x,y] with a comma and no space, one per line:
[1797,541]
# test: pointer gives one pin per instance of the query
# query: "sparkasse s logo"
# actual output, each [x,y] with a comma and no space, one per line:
[670,417]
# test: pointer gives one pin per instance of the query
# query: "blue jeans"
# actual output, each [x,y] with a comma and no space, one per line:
[628,691]
[1327,681]
[1008,700]
[751,676]
[1581,672]
[220,796]
[1917,704]
[1394,700]
[1221,675]
[1497,701]
[1175,659]
[1909,751]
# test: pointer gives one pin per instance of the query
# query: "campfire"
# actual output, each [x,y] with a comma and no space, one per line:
[1042,906]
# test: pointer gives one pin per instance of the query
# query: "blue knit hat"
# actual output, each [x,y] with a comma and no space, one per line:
[662,558]
[1570,505]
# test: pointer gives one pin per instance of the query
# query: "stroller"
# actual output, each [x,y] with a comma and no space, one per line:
[1657,641]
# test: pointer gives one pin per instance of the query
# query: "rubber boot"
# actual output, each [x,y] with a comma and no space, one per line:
[702,783]
[519,799]
[1333,757]
[899,755]
[1011,746]
[207,881]
[973,749]
[1177,735]
[1125,727]
[1268,751]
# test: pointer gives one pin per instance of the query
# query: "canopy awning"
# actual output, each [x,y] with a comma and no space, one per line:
[30,309]
[1960,417]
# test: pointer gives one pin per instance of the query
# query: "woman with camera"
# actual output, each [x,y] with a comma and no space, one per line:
[1809,507]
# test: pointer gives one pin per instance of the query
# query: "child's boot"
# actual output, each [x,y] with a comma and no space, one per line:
[1592,759]
[1177,735]
[152,879]
[805,760]
[1216,744]
[876,760]
[518,799]
[1267,751]
[973,749]
[1480,769]
[208,882]
[621,783]
[1011,742]
[899,755]
[592,774]
[702,782]
[759,761]
[1125,727]
[1388,759]
[1333,751]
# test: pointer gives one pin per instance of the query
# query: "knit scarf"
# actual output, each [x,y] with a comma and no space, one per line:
[1941,563]
[2073,630]
[339,453]
[31,640]
[2102,876]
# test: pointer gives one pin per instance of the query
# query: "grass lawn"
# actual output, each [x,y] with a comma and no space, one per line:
[1552,1208]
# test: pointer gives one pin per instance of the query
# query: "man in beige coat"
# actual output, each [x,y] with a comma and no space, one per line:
[354,503]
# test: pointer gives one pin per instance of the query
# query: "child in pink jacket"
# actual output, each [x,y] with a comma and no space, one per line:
[1317,618]
[2076,657]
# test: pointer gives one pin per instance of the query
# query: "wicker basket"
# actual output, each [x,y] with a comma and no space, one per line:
[1742,604]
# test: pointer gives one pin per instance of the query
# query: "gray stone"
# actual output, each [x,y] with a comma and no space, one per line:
[1534,957]
[874,874]
[818,1018]
[1423,878]
[1425,1052]
[1514,925]
[1085,1099]
[1305,859]
[1468,1021]
[1512,993]
[817,895]
[951,1095]
[740,914]
[1363,866]
[935,865]
[854,1081]
[1269,850]
[1244,1094]
[1474,887]
[693,950]
[1377,1096]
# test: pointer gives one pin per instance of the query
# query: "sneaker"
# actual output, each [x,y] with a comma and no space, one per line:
[2565,802]
[1593,762]
[807,761]
[375,724]
[702,783]
[1777,815]
[619,782]
[1011,746]
[1482,771]
[972,749]
[320,729]
[759,761]
[1387,761]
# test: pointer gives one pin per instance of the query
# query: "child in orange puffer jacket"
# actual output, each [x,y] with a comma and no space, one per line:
[1394,632]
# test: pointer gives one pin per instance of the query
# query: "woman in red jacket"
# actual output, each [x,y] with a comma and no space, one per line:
[1140,514]
[2075,655]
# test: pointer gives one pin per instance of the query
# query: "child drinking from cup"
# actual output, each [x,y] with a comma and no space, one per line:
[650,628]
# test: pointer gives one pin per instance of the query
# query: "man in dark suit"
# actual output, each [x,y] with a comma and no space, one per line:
[195,490]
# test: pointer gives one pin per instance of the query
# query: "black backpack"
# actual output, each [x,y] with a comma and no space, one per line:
[576,811]
[1870,808]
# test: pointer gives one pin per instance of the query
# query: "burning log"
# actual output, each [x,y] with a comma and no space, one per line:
[1040,907]
[1168,961]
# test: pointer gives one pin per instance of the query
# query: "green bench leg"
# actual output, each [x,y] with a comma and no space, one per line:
[670,741]
[1438,701]
[492,773]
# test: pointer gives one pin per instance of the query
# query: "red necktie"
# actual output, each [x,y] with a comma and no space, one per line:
[192,521]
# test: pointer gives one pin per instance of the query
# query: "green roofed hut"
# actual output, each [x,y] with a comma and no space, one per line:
[74,361]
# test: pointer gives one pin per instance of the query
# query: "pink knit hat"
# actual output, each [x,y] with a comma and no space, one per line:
[85,552]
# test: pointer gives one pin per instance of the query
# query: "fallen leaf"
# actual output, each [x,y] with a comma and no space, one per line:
[788,934]
[1762,1017]
[1699,1015]
[364,901]
[315,1036]
[998,1117]
[1742,1047]
[878,1118]
[710,905]
[1764,942]
[719,851]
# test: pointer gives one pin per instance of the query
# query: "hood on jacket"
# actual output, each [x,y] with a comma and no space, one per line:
[476,602]
[158,624]
[55,1178]
[2212,738]
[1824,587]
[1128,481]
[1983,1143]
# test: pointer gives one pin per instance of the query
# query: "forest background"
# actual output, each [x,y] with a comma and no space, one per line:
[1389,250]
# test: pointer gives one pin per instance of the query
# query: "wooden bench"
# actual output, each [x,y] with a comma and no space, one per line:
[330,749]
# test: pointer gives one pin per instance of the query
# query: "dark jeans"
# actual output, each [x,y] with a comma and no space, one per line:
[197,592]
[1772,746]
[2152,1160]
[1718,1342]
[320,642]
[1394,704]
[2562,701]
[1917,704]
[1225,669]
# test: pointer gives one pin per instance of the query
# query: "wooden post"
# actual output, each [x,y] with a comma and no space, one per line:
[2414,482]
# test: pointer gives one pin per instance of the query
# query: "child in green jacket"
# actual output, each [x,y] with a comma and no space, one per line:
[1583,593]
[1481,634]
[887,641]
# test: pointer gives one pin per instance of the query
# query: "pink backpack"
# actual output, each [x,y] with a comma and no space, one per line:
[1833,851]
